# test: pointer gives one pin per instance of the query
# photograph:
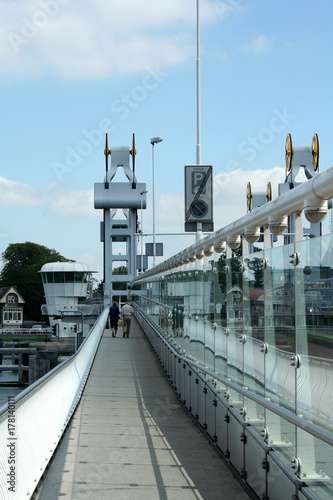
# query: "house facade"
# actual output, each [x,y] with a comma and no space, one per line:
[11,308]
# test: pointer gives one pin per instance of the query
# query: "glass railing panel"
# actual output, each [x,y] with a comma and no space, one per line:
[280,435]
[209,345]
[279,326]
[253,413]
[234,321]
[163,317]
[254,365]
[209,310]
[152,307]
[177,313]
[200,339]
[314,329]
[186,329]
[220,316]
[221,351]
[156,286]
[234,292]
[186,332]
[253,296]
[220,284]
[314,390]
[192,337]
[253,322]
[235,357]
[196,313]
[313,463]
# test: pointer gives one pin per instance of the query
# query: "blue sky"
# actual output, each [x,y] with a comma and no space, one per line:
[71,71]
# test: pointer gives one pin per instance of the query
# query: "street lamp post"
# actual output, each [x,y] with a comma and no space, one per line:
[142,193]
[153,141]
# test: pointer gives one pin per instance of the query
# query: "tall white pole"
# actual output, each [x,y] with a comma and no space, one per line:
[198,90]
[141,235]
[199,234]
[154,252]
[153,141]
[142,193]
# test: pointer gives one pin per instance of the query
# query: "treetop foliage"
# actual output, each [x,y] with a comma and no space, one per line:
[22,261]
[27,254]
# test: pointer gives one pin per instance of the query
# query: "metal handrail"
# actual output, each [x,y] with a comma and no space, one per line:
[309,427]
[318,189]
[41,418]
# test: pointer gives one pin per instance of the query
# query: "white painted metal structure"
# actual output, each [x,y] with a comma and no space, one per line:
[64,284]
[41,415]
[119,202]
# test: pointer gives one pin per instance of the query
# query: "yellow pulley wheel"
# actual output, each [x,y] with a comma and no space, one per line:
[288,152]
[268,192]
[248,196]
[315,152]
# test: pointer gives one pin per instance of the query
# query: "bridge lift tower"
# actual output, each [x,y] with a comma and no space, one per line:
[120,202]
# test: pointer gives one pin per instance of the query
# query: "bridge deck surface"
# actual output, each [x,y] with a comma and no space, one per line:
[130,439]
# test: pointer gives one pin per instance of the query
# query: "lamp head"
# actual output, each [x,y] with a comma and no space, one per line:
[155,140]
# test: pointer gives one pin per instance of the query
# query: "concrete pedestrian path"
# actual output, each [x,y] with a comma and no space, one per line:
[130,439]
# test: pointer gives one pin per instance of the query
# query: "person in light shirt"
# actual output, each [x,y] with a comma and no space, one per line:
[126,315]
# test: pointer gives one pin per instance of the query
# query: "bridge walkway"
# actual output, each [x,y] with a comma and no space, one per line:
[130,439]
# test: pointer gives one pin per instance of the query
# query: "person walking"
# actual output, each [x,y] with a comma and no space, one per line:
[114,318]
[126,314]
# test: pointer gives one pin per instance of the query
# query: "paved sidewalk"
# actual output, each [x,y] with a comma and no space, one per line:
[130,439]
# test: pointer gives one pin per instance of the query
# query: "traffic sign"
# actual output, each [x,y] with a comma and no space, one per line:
[198,196]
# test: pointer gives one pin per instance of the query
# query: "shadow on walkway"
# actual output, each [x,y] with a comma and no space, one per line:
[130,438]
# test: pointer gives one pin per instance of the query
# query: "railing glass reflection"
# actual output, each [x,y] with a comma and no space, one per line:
[267,325]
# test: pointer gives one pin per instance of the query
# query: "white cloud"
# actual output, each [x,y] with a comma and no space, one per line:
[14,193]
[261,43]
[74,204]
[54,198]
[225,8]
[170,210]
[92,260]
[230,191]
[98,39]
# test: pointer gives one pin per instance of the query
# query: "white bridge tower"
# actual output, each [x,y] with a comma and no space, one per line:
[120,202]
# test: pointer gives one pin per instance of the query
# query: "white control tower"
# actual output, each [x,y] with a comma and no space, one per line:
[65,283]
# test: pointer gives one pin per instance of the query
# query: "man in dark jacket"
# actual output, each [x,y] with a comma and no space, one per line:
[114,318]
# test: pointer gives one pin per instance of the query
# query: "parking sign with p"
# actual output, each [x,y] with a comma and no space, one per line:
[198,196]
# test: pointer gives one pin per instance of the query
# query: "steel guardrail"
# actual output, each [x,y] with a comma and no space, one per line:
[32,424]
[292,418]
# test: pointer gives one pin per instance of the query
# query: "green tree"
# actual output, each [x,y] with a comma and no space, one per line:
[258,273]
[22,261]
[255,265]
[98,286]
[118,271]
[234,268]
